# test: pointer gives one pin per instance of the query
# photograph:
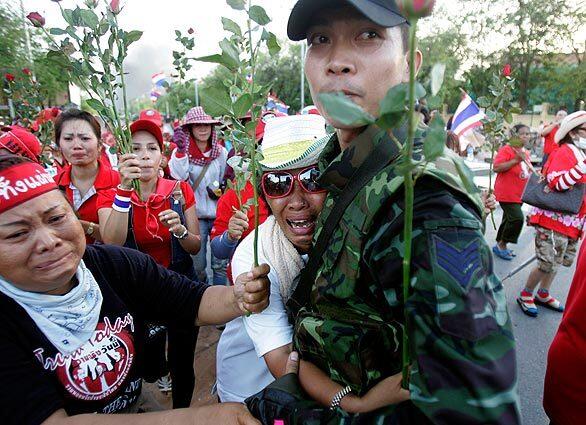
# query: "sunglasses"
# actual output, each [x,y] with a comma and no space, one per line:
[278,184]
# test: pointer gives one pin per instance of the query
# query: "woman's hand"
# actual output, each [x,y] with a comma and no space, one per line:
[128,168]
[237,225]
[489,201]
[385,393]
[251,290]
[172,221]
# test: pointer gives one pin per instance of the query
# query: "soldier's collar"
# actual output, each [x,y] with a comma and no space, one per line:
[338,167]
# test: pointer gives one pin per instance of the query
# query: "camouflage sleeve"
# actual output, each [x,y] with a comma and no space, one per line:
[463,367]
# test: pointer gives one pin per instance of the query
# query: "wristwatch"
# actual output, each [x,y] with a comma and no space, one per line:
[182,235]
[339,396]
[90,229]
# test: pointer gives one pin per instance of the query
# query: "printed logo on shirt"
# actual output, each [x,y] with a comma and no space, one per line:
[98,368]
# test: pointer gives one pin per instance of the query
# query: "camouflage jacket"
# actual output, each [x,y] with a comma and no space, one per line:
[463,367]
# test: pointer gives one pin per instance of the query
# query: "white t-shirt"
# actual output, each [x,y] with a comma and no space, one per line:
[240,367]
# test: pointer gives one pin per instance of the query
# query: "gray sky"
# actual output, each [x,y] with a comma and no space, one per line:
[159,19]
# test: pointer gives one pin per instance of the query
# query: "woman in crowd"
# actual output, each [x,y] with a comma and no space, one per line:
[253,351]
[200,160]
[513,166]
[160,221]
[557,234]
[77,133]
[73,315]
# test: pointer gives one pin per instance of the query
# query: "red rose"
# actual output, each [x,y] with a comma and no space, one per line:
[26,71]
[9,77]
[415,9]
[190,31]
[55,112]
[115,7]
[36,19]
[507,70]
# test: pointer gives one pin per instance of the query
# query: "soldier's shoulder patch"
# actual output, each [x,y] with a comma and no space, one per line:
[460,262]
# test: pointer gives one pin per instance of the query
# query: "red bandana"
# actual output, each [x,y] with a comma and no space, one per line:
[23,182]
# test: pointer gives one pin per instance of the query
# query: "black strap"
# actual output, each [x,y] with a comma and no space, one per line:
[379,158]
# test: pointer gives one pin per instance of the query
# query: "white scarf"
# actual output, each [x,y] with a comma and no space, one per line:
[69,320]
[280,254]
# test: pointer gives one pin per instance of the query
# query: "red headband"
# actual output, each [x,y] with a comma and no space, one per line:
[23,182]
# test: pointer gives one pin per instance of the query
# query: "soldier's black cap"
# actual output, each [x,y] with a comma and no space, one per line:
[382,12]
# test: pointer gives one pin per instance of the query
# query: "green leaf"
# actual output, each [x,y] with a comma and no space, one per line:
[420,92]
[131,37]
[437,77]
[178,34]
[237,4]
[242,105]
[259,15]
[395,100]
[273,45]
[483,102]
[231,26]
[57,31]
[217,101]
[465,174]
[231,51]
[390,120]
[96,105]
[339,108]
[89,18]
[435,139]
[68,16]
[212,59]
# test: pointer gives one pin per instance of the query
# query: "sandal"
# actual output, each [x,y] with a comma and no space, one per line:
[527,304]
[549,302]
[502,253]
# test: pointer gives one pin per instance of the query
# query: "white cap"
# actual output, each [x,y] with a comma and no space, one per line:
[294,141]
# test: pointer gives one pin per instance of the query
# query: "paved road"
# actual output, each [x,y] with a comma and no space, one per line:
[533,336]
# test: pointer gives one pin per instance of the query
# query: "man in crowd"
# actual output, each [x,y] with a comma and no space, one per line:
[548,134]
[463,368]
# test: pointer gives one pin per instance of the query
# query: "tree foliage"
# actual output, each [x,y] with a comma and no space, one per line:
[13,55]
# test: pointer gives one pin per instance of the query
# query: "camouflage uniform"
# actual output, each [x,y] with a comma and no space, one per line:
[463,367]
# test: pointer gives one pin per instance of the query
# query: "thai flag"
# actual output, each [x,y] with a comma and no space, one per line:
[155,95]
[158,79]
[467,116]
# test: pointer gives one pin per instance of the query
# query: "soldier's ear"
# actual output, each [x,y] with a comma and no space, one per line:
[418,62]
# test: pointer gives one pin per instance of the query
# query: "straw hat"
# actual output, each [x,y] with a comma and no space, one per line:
[198,116]
[293,142]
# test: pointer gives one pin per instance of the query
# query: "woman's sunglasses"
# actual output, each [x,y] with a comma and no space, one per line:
[278,184]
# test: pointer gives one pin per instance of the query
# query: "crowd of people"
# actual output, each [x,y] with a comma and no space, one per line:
[110,263]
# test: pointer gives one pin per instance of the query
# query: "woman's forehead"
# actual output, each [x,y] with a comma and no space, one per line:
[33,208]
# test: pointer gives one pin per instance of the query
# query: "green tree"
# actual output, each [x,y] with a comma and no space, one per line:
[14,56]
[534,31]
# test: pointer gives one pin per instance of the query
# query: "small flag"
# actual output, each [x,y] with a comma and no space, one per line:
[158,79]
[467,116]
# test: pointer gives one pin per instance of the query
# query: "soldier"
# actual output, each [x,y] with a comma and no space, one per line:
[352,312]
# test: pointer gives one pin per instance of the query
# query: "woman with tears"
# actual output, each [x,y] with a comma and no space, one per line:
[73,315]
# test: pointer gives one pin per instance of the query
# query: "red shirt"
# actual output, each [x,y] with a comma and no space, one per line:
[564,397]
[225,212]
[509,185]
[549,144]
[152,237]
[559,162]
[105,180]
